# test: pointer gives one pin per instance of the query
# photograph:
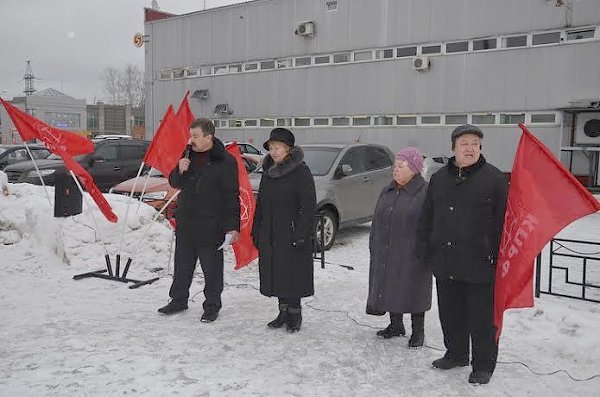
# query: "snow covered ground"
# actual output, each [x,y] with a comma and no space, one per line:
[59,336]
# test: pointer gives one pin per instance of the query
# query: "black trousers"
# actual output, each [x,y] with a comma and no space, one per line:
[187,253]
[291,302]
[467,313]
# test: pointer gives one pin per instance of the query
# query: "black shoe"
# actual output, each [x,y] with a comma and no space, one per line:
[281,318]
[294,317]
[417,337]
[480,377]
[416,340]
[173,307]
[209,316]
[448,363]
[391,331]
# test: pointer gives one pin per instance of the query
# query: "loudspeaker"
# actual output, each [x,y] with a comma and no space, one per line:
[67,197]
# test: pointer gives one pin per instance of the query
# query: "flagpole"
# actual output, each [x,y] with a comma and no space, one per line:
[38,172]
[126,214]
[142,193]
[137,247]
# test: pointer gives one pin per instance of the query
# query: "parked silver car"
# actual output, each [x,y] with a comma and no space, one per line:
[348,181]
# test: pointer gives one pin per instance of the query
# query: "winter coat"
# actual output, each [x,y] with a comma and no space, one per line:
[283,227]
[461,222]
[208,205]
[399,282]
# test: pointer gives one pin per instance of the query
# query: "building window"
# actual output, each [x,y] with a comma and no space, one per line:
[250,123]
[456,119]
[321,60]
[341,58]
[267,122]
[236,68]
[545,38]
[384,54]
[165,74]
[249,67]
[514,41]
[383,120]
[406,52]
[64,120]
[284,63]
[484,44]
[363,56]
[580,34]
[284,122]
[485,118]
[361,120]
[302,122]
[206,71]
[431,49]
[178,73]
[304,61]
[191,72]
[512,118]
[458,46]
[406,120]
[340,121]
[235,123]
[321,121]
[220,69]
[548,118]
[266,65]
[93,122]
[431,119]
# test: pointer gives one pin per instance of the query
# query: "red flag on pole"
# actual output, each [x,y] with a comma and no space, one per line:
[56,140]
[167,145]
[543,198]
[185,115]
[65,144]
[244,249]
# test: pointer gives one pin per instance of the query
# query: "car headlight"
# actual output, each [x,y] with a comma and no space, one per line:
[42,173]
[154,196]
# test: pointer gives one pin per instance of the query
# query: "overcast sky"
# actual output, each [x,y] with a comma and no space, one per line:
[70,42]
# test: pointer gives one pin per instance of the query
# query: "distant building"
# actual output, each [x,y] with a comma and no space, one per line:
[399,73]
[106,119]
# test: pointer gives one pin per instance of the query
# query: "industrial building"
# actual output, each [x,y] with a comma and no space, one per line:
[395,72]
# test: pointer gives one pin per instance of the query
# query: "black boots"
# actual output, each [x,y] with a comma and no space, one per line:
[480,377]
[418,330]
[396,327]
[173,307]
[294,317]
[281,319]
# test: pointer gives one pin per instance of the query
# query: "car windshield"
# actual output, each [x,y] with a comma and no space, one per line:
[320,159]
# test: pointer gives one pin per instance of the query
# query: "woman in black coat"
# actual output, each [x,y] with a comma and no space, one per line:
[399,282]
[283,228]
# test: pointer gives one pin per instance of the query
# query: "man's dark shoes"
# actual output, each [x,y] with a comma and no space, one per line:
[392,330]
[281,318]
[448,363]
[294,319]
[209,315]
[173,307]
[480,377]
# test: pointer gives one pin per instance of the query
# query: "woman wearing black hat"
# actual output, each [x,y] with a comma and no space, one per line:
[283,228]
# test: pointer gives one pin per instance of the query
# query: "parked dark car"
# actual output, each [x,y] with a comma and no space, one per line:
[11,154]
[348,181]
[111,162]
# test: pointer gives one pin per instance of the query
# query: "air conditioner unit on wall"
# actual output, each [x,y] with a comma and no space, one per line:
[305,28]
[587,128]
[420,63]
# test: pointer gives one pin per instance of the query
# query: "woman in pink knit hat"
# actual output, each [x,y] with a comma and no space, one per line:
[398,281]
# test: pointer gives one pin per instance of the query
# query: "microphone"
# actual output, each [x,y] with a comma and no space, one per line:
[188,149]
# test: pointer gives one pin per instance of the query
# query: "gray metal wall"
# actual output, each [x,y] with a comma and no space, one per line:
[520,79]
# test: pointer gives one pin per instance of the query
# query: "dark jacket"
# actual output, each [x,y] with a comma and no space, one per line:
[208,205]
[461,222]
[398,281]
[283,227]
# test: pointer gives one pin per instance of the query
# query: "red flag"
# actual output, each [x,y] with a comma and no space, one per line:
[244,249]
[543,198]
[88,183]
[185,115]
[56,140]
[167,145]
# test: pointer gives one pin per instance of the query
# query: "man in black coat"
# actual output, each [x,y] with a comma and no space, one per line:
[459,236]
[208,208]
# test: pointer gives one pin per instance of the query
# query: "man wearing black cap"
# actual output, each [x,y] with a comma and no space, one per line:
[459,236]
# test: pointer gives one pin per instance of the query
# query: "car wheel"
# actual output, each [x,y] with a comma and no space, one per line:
[330,226]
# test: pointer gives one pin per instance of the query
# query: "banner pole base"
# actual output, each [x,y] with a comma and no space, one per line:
[102,274]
